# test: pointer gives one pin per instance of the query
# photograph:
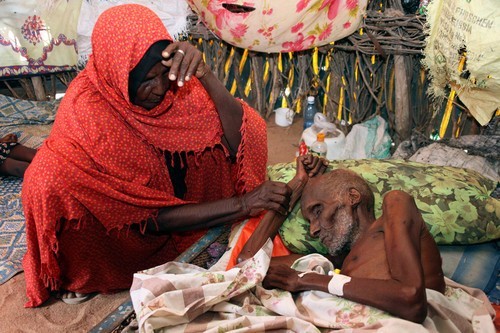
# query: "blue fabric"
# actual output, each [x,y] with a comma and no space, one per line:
[475,266]
[23,112]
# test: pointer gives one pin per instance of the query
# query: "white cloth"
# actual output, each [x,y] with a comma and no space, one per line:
[369,139]
[173,14]
[36,38]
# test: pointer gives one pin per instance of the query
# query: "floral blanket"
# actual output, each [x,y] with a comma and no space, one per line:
[280,25]
[182,297]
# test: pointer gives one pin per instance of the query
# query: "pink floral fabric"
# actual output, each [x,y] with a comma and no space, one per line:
[177,297]
[280,25]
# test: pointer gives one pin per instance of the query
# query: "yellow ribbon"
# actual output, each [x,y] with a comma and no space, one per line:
[449,104]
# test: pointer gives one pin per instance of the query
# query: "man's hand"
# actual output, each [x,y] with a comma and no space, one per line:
[310,166]
[283,277]
[185,61]
[269,195]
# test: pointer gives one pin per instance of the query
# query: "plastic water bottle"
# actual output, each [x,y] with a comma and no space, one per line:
[309,112]
[319,147]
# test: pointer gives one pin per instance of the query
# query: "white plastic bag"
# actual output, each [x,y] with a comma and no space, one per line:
[368,140]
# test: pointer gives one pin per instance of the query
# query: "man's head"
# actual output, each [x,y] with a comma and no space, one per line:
[332,204]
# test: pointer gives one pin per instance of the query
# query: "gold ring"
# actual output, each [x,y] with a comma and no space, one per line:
[181,52]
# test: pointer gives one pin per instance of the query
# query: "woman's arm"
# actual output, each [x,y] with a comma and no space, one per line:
[273,196]
[186,61]
[229,109]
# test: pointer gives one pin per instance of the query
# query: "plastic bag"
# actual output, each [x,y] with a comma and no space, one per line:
[368,140]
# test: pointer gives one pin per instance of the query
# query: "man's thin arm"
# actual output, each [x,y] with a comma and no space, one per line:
[388,295]
[271,222]
[403,294]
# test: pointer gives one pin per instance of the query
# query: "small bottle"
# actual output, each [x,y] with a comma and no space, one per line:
[319,147]
[309,112]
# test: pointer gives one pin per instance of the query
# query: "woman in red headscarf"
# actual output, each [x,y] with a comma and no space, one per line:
[148,149]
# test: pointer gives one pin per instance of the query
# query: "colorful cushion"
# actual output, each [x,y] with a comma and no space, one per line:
[455,203]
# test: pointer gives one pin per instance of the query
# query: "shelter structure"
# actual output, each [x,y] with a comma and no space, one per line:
[376,70]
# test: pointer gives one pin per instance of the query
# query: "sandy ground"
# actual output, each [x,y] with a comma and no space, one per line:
[56,316]
[283,142]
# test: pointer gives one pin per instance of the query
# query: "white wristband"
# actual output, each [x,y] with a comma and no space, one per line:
[336,284]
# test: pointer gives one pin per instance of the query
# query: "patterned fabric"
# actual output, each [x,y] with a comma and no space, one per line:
[280,26]
[185,298]
[13,238]
[458,32]
[5,148]
[36,40]
[87,189]
[455,203]
[15,111]
[12,222]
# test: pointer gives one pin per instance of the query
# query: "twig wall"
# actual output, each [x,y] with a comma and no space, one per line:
[375,71]
[370,72]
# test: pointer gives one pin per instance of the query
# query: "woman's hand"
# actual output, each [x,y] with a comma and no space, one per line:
[309,166]
[185,61]
[269,195]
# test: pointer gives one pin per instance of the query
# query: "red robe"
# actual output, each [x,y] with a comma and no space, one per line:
[101,173]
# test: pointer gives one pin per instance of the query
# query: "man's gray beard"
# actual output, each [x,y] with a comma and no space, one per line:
[335,240]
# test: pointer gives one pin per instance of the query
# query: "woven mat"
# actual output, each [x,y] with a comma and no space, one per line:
[12,222]
[12,236]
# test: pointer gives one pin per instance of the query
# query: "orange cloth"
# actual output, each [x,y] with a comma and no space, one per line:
[496,321]
[102,172]
[279,248]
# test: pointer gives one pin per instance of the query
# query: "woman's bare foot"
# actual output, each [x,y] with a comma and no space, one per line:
[70,297]
[9,138]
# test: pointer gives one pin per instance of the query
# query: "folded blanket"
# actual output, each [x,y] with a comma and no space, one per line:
[187,298]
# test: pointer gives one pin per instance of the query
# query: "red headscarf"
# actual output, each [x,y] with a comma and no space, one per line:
[104,157]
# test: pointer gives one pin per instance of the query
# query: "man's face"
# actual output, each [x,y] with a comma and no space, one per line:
[153,88]
[331,217]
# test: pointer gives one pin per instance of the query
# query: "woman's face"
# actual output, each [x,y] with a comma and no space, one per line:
[153,88]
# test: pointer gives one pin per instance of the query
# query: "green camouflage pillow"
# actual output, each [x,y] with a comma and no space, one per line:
[455,203]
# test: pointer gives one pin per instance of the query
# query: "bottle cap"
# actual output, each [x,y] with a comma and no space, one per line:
[310,98]
[320,136]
